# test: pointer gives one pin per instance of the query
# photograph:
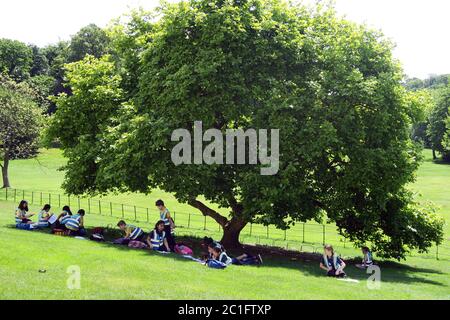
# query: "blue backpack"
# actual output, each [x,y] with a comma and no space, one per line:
[215,264]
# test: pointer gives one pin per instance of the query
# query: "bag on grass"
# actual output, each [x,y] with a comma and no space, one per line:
[121,241]
[97,237]
[137,244]
[183,250]
[215,264]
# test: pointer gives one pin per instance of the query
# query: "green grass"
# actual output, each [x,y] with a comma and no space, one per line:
[110,272]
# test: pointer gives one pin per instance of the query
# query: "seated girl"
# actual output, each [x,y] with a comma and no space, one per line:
[367,258]
[244,259]
[75,224]
[332,264]
[43,216]
[65,214]
[22,215]
[219,259]
[157,239]
[132,233]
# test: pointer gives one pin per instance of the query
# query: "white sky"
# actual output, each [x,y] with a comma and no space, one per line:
[420,28]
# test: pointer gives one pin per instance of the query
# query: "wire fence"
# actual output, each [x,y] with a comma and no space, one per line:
[306,237]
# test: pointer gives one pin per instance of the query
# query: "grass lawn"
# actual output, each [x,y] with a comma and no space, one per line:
[111,272]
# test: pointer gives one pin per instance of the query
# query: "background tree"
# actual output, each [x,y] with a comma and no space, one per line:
[437,128]
[40,64]
[16,59]
[82,117]
[330,86]
[21,122]
[90,40]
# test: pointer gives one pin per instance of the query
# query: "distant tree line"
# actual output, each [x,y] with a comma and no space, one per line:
[29,77]
[433,128]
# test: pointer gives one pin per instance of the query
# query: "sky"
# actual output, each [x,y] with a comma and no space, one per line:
[420,28]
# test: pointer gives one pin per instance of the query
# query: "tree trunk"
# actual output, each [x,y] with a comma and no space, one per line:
[6,183]
[434,154]
[231,228]
[231,232]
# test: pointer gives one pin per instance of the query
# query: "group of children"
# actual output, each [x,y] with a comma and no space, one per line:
[334,265]
[162,239]
[72,224]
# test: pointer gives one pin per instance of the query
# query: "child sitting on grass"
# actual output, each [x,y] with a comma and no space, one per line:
[76,224]
[332,264]
[367,258]
[219,259]
[244,259]
[132,233]
[22,215]
[43,216]
[157,239]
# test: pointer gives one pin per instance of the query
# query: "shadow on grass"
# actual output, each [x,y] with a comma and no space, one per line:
[307,263]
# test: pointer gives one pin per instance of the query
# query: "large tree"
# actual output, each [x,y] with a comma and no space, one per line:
[330,86]
[21,123]
[16,59]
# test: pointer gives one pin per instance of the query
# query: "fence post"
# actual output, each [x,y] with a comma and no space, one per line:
[189,220]
[99,207]
[89,205]
[285,235]
[251,227]
[49,198]
[123,214]
[135,215]
[110,208]
[32,197]
[23,194]
[303,238]
[323,230]
[59,200]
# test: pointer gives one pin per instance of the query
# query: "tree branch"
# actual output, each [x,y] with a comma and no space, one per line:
[206,211]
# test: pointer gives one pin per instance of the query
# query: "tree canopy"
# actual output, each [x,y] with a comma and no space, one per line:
[330,86]
[21,123]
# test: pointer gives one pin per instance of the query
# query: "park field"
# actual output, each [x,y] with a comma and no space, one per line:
[111,272]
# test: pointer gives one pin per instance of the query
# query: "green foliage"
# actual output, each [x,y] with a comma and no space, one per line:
[330,86]
[40,63]
[16,59]
[21,122]
[90,40]
[438,128]
[420,103]
[129,36]
[83,116]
